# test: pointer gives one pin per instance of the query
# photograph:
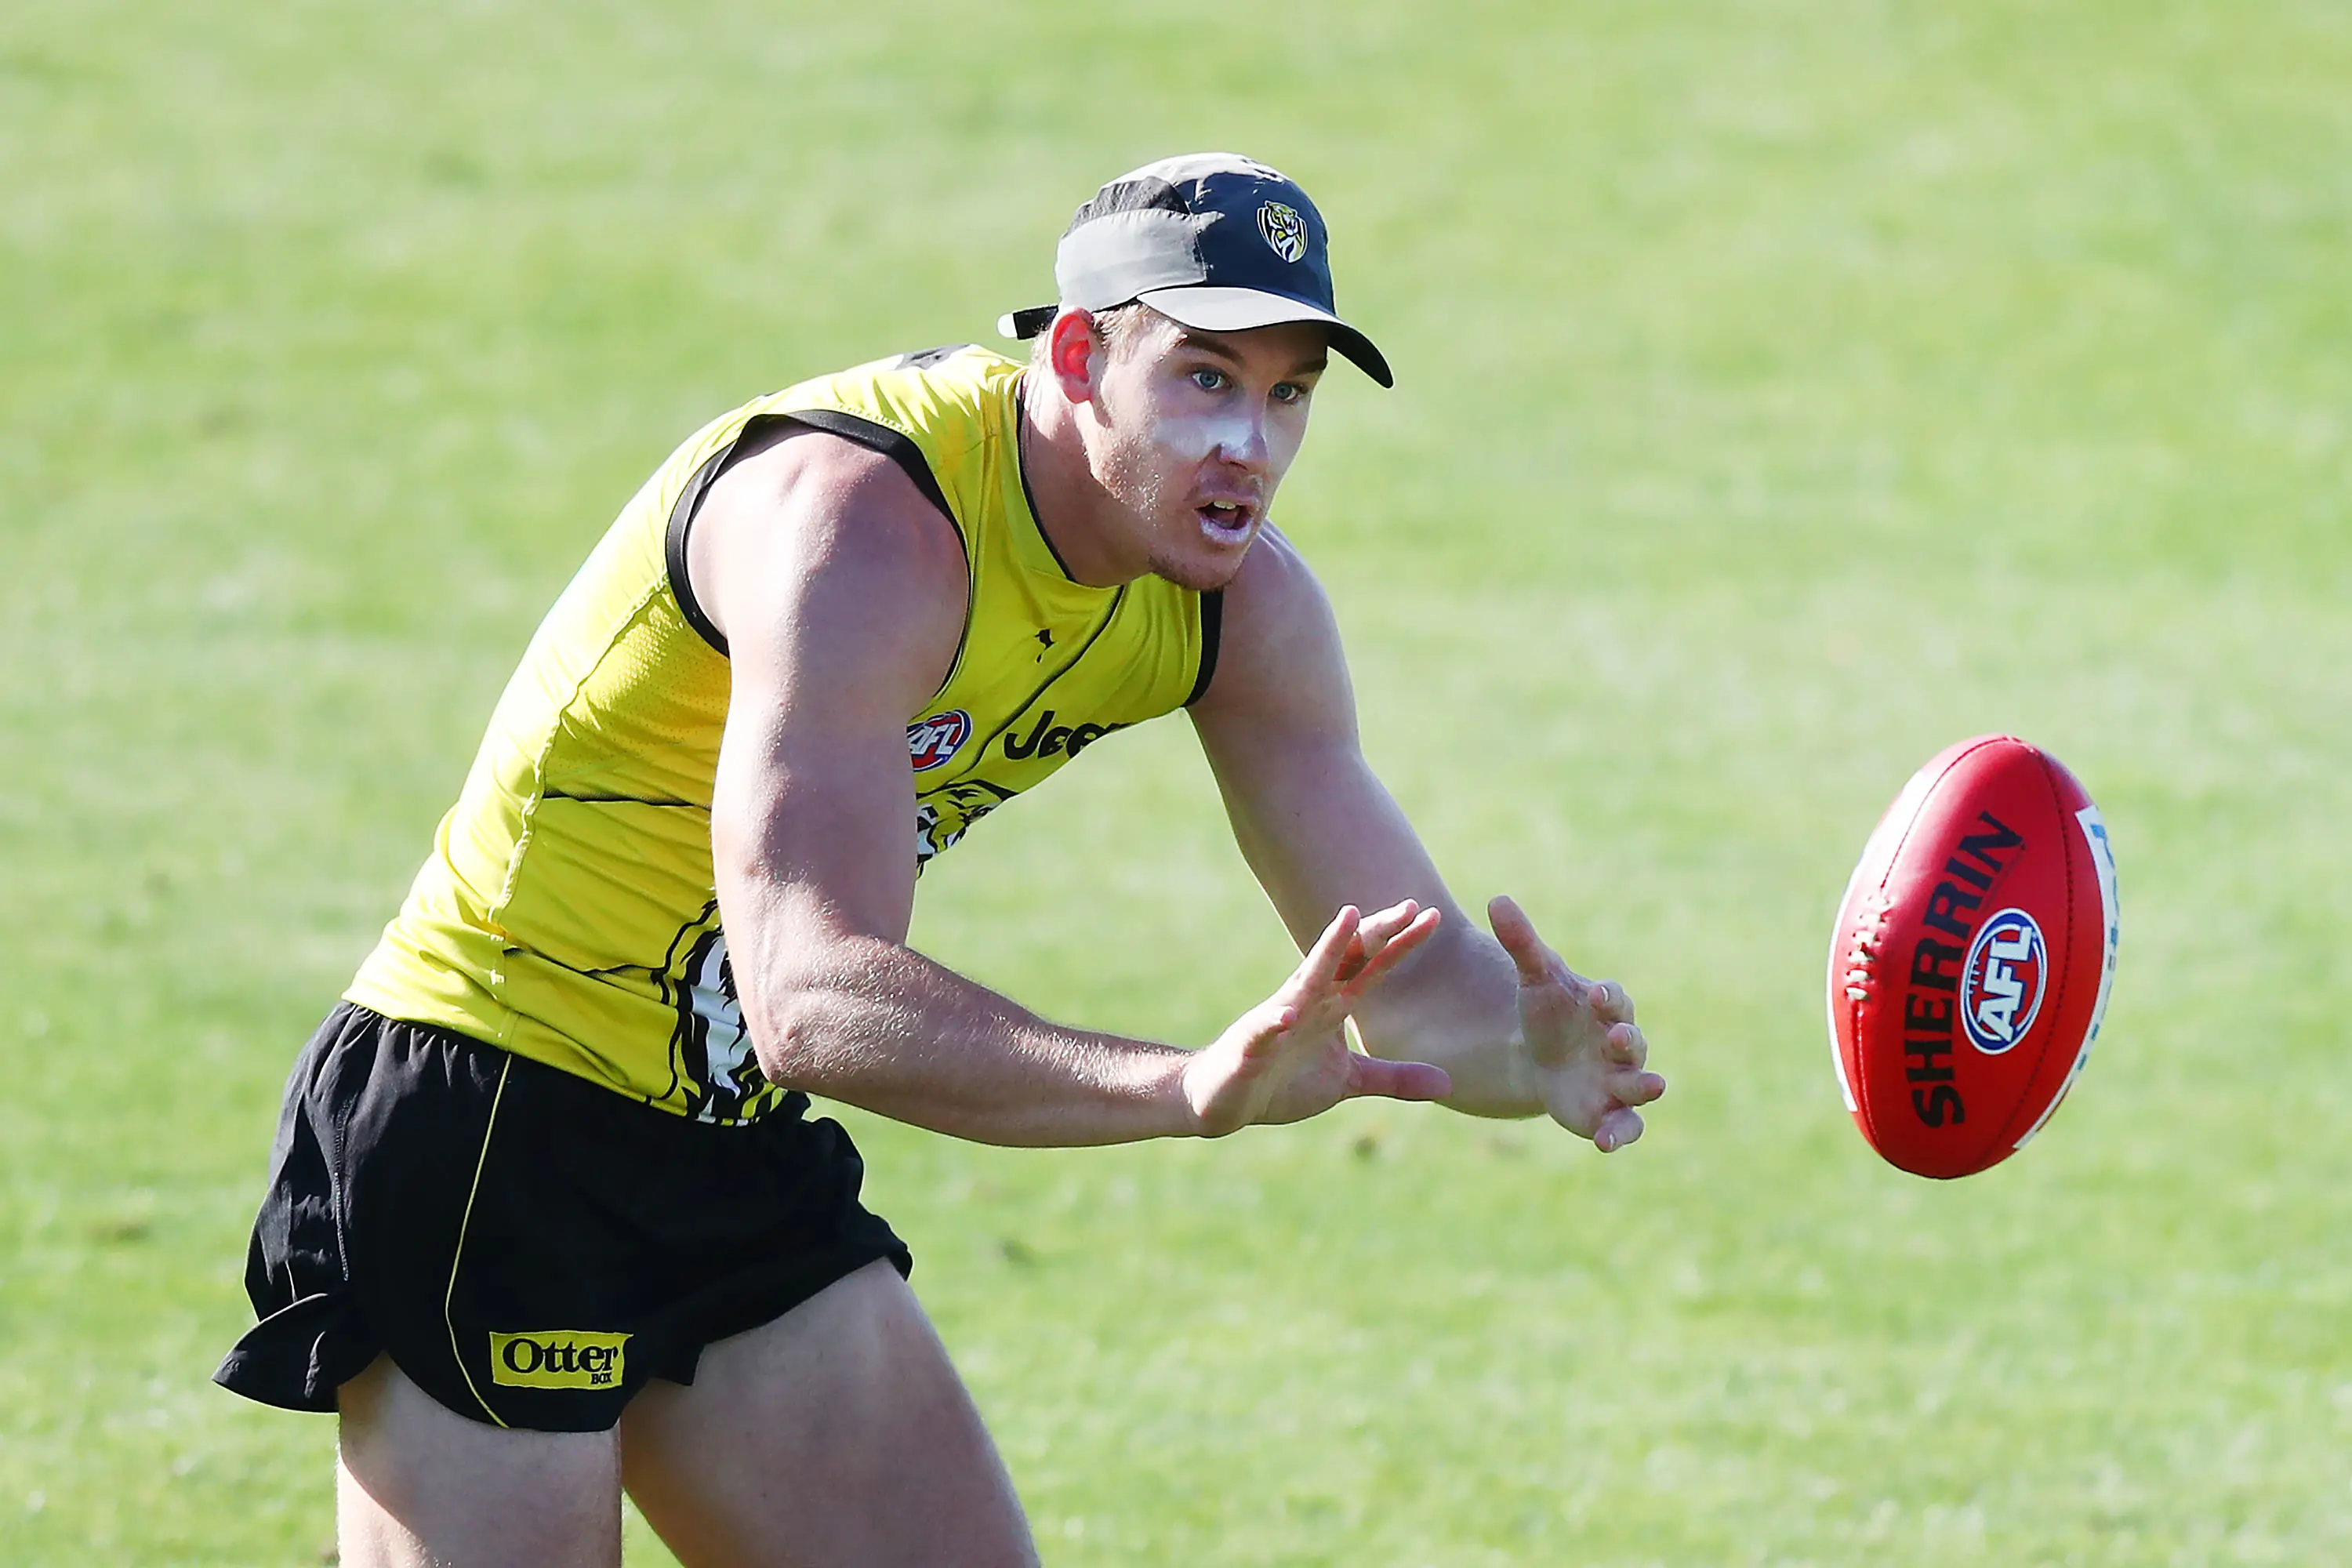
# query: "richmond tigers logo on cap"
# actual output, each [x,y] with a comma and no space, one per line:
[1283,230]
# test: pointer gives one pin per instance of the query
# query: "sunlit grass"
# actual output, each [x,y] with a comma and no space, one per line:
[1785,391]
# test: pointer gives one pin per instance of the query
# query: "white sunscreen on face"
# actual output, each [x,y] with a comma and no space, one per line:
[1196,438]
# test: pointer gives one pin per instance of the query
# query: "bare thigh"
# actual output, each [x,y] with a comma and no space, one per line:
[838,1434]
[416,1484]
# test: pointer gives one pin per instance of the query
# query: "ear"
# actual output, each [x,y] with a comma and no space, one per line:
[1073,352]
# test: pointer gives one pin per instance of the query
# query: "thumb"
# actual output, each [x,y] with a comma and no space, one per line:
[1517,934]
[1370,1076]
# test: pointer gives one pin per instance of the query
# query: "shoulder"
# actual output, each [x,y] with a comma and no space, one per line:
[1278,643]
[806,522]
[931,413]
[944,400]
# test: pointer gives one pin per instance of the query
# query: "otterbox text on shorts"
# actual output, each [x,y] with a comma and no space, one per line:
[557,1358]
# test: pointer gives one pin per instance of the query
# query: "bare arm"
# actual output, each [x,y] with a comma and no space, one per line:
[1519,1031]
[842,594]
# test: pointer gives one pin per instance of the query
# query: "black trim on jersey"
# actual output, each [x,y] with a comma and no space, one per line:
[901,450]
[898,448]
[1020,466]
[1213,625]
[681,517]
[894,445]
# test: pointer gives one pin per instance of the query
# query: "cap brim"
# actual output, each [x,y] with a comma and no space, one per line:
[1214,310]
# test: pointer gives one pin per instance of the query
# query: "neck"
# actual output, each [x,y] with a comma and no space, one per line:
[1076,515]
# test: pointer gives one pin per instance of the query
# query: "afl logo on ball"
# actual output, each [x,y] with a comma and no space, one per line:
[1283,230]
[932,742]
[2000,982]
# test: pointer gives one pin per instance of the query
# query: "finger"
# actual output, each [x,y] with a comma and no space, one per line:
[1607,999]
[1316,972]
[1635,1088]
[1373,932]
[1518,935]
[1396,1080]
[1627,1047]
[1617,1129]
[1380,928]
[1354,957]
[1395,950]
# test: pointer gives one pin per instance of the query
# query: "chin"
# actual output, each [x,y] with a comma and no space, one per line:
[1204,573]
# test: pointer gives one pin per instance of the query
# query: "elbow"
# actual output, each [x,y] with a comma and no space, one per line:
[778,1009]
[805,1019]
[781,1062]
[787,1033]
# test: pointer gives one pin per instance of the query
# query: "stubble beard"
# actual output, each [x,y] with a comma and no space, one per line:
[1198,576]
[1140,484]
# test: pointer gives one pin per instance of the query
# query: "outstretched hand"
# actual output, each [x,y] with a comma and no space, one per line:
[1588,1054]
[1288,1058]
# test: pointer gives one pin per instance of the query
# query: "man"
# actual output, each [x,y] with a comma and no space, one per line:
[547,1215]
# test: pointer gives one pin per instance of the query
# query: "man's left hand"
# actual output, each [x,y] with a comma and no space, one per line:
[1588,1055]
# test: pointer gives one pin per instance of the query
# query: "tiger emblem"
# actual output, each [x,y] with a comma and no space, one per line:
[1284,229]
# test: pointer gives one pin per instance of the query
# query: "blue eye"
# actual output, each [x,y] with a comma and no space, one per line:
[1289,392]
[1208,380]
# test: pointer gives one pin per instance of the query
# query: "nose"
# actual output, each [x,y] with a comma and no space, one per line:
[1243,442]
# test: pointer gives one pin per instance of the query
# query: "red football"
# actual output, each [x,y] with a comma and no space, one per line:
[1972,956]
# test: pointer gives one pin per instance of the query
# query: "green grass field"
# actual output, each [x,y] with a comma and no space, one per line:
[1785,390]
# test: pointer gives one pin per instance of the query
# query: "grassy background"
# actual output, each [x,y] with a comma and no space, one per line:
[1785,390]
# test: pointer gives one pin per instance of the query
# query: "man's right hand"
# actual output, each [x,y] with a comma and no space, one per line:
[1288,1058]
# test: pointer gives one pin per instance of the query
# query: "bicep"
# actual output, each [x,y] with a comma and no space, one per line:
[812,824]
[842,604]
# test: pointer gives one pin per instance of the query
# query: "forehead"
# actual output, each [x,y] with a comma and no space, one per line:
[1290,348]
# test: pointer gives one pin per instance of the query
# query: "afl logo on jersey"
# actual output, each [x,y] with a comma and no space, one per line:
[2000,982]
[1283,230]
[933,743]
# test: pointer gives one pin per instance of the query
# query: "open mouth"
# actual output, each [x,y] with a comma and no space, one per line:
[1226,519]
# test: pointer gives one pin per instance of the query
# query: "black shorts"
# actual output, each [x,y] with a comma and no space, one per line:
[527,1247]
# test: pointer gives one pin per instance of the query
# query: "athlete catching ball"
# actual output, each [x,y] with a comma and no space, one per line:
[549,1217]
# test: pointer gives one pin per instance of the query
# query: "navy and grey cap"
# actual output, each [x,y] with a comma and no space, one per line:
[1213,240]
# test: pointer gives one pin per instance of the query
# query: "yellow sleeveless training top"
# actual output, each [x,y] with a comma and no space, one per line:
[568,911]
